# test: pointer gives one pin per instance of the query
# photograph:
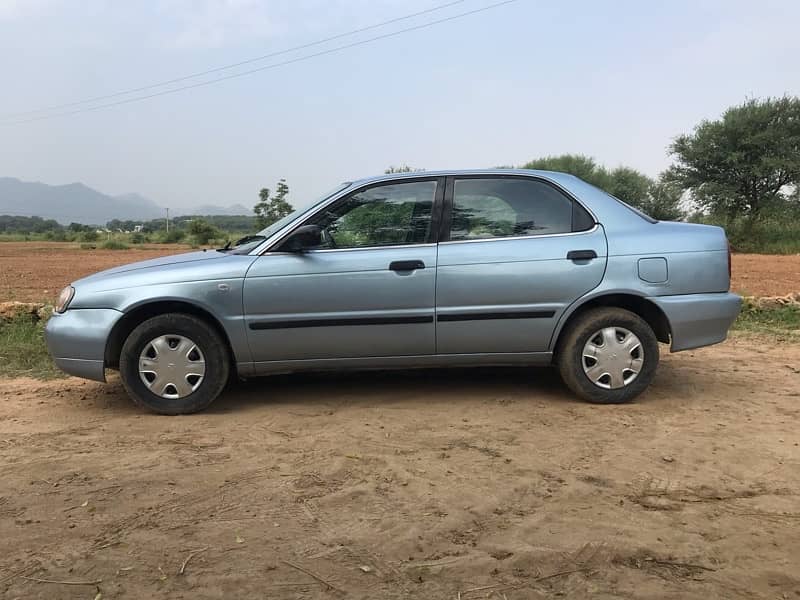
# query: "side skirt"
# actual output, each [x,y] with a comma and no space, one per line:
[251,369]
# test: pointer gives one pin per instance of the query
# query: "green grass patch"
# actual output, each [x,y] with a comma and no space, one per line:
[115,245]
[780,321]
[774,235]
[23,352]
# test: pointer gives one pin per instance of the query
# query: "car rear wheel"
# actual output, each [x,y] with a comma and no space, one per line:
[174,364]
[608,355]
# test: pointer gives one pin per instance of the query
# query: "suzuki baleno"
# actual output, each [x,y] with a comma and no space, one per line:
[496,267]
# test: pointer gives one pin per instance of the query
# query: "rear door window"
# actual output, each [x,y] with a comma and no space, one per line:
[485,208]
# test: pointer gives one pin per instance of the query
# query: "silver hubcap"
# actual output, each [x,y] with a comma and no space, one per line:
[172,366]
[612,358]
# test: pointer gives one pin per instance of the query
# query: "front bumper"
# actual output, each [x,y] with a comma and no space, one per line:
[697,320]
[77,340]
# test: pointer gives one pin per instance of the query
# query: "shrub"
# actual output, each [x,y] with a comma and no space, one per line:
[174,236]
[202,231]
[89,236]
[115,245]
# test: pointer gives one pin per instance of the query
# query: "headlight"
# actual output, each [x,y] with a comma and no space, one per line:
[64,298]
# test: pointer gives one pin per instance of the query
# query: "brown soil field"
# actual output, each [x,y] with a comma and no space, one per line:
[433,485]
[766,274]
[36,271]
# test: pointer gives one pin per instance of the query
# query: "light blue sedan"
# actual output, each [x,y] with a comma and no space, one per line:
[455,268]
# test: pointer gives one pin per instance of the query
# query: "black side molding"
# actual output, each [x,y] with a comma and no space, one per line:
[343,322]
[488,316]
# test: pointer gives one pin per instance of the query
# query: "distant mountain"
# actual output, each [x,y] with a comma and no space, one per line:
[76,202]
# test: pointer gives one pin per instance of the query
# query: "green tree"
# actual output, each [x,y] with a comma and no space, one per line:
[202,232]
[745,162]
[89,235]
[270,208]
[584,167]
[660,198]
[663,202]
[629,185]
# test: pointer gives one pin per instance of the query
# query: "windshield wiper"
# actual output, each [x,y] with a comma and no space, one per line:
[248,239]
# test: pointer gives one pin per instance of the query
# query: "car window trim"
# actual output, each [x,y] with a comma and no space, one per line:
[523,237]
[392,247]
[447,218]
[436,214]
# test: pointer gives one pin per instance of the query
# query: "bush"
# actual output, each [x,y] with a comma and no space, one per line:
[56,235]
[138,238]
[174,236]
[89,236]
[202,232]
[115,245]
[775,235]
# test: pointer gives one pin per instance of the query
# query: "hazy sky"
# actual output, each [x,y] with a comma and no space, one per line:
[613,79]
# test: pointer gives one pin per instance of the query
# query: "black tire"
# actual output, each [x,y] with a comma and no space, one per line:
[569,355]
[207,340]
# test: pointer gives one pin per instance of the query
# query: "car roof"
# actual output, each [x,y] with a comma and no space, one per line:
[551,175]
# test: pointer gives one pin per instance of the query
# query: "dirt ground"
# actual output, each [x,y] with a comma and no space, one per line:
[37,271]
[488,483]
[765,274]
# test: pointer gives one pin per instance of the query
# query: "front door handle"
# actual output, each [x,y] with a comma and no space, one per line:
[581,255]
[406,265]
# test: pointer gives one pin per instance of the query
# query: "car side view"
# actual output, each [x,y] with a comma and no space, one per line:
[455,268]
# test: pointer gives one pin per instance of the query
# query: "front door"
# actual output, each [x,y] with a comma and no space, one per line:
[367,291]
[515,253]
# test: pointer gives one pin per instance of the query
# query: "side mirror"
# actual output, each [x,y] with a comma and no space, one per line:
[303,238]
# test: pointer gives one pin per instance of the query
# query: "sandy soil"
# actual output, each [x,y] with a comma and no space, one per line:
[491,483]
[766,274]
[36,271]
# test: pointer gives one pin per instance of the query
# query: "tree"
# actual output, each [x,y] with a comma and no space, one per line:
[744,162]
[404,168]
[664,199]
[270,208]
[202,231]
[579,165]
[660,198]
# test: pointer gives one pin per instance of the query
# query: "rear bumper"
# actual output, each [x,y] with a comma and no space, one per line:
[697,320]
[77,340]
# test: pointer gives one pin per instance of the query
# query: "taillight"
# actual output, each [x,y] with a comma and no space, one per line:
[729,265]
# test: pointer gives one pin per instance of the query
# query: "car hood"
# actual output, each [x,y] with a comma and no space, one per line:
[161,261]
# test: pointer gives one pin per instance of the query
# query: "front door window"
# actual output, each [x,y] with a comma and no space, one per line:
[387,215]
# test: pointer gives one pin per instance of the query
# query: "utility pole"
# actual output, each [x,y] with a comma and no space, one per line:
[167,220]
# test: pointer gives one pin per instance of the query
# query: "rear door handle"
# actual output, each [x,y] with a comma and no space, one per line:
[406,265]
[581,255]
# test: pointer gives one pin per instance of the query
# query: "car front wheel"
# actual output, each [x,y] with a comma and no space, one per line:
[608,355]
[174,364]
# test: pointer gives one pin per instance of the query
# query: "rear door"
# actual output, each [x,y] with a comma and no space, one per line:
[514,253]
[368,291]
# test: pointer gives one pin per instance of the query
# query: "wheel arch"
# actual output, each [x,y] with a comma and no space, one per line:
[133,317]
[635,303]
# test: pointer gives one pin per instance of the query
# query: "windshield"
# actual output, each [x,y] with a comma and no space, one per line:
[249,243]
[280,223]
